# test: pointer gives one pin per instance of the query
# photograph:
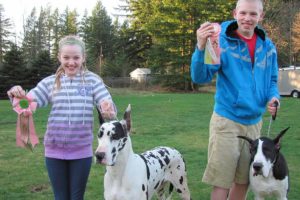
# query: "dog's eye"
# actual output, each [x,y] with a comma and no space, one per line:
[253,149]
[100,134]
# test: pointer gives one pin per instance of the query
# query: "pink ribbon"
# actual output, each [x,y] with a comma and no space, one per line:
[25,131]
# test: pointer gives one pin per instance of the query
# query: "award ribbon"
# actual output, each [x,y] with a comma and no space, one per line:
[25,131]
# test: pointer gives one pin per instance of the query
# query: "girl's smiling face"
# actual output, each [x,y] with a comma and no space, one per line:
[71,58]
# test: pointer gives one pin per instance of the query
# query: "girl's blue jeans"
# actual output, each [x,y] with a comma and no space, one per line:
[68,177]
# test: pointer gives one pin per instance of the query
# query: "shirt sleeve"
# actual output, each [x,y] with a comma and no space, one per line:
[274,76]
[100,92]
[201,72]
[41,93]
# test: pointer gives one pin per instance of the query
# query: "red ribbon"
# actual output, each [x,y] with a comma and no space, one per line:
[25,131]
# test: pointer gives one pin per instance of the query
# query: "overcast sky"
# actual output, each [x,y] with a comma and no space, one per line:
[17,9]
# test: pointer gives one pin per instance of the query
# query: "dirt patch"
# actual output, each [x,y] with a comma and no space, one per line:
[39,188]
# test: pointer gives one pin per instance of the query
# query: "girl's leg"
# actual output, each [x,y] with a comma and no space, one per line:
[58,174]
[78,176]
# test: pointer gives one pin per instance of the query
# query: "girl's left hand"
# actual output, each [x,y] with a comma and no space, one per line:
[107,109]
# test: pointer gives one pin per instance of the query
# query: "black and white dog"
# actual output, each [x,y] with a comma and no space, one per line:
[130,176]
[269,175]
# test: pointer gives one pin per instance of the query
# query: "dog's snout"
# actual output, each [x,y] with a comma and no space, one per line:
[100,156]
[257,166]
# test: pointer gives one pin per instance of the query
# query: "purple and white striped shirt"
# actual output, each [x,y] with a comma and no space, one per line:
[69,133]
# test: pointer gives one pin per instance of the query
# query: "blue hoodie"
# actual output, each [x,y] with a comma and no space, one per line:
[243,87]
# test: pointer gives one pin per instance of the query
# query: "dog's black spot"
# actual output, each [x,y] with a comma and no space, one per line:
[143,187]
[147,167]
[179,191]
[161,163]
[114,153]
[161,152]
[171,188]
[118,131]
[108,133]
[151,155]
[121,145]
[157,184]
[181,180]
[100,134]
[167,160]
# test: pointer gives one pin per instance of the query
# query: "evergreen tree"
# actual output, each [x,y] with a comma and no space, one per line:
[5,33]
[13,71]
[99,39]
[68,21]
[30,42]
[56,31]
[84,27]
[42,67]
[172,25]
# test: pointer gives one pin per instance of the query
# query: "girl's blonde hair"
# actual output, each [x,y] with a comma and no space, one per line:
[69,40]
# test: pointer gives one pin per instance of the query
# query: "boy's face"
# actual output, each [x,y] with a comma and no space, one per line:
[248,14]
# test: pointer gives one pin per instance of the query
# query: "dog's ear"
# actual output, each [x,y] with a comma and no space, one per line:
[100,118]
[127,117]
[246,138]
[278,138]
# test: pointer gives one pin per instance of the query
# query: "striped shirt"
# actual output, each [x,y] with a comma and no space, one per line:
[69,133]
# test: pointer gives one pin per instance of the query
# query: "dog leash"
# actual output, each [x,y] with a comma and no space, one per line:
[273,117]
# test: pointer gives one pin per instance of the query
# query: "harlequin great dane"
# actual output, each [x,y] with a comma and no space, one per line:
[130,176]
[269,175]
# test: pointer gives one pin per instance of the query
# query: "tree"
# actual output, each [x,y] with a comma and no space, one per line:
[56,31]
[68,21]
[84,26]
[29,44]
[278,21]
[13,71]
[172,25]
[42,67]
[296,39]
[128,47]
[99,38]
[5,33]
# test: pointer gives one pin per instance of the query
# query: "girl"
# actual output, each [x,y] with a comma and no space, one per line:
[72,91]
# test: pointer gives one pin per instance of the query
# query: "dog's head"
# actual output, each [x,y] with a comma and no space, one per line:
[264,153]
[112,138]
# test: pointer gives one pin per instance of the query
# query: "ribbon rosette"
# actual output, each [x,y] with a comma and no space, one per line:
[25,132]
[212,48]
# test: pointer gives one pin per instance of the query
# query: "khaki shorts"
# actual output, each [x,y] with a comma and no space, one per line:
[228,156]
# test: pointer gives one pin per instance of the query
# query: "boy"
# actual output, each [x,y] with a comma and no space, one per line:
[246,83]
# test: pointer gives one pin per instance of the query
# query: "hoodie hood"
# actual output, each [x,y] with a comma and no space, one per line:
[228,29]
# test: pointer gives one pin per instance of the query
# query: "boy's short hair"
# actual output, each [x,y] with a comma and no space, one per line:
[259,1]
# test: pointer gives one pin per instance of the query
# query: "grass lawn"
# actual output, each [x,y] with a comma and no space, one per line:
[170,119]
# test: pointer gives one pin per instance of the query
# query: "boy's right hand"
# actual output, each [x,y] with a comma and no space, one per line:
[206,30]
[16,91]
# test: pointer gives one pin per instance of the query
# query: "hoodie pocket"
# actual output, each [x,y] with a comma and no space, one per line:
[247,105]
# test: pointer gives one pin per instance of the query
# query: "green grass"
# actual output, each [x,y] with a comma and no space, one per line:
[176,120]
